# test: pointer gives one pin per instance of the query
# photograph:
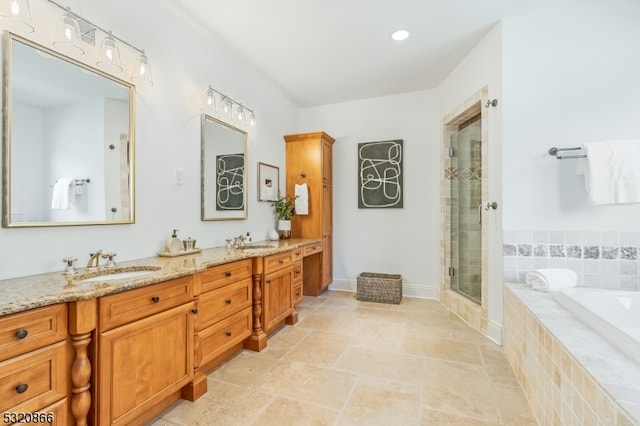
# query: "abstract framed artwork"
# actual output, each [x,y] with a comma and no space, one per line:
[380,174]
[268,182]
[230,182]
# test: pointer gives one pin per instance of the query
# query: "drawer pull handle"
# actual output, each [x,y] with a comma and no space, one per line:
[228,333]
[227,274]
[228,301]
[22,333]
[22,388]
[194,311]
[155,299]
[281,261]
[268,281]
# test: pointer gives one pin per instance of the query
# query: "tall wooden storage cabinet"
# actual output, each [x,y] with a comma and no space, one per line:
[309,160]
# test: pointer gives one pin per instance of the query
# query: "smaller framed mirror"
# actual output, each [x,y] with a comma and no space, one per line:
[223,171]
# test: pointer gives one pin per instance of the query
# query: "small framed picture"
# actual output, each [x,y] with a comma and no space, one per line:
[268,182]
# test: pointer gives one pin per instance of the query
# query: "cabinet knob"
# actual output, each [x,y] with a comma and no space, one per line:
[194,311]
[281,261]
[22,388]
[155,299]
[227,274]
[22,333]
[228,333]
[228,301]
[268,281]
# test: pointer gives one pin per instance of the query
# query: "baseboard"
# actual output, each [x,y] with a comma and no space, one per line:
[494,332]
[408,290]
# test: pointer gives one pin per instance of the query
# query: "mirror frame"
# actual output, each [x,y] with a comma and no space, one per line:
[8,39]
[203,123]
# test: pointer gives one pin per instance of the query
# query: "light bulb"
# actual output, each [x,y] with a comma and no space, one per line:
[240,113]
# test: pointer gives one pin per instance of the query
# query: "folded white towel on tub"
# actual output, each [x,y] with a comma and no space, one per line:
[551,279]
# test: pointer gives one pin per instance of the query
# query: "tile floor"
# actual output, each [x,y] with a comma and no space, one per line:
[358,363]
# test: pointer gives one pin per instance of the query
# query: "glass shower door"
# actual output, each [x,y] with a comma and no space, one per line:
[466,210]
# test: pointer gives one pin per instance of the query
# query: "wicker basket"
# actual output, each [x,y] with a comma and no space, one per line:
[381,288]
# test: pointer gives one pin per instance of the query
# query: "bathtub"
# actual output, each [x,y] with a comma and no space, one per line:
[614,314]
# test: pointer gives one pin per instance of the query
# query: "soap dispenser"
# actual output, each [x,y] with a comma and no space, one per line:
[174,245]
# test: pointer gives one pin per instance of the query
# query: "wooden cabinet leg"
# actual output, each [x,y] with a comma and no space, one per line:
[80,379]
[258,339]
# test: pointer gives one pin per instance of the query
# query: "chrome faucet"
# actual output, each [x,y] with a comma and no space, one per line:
[239,241]
[94,259]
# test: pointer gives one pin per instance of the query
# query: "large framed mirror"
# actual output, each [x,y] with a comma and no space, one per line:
[223,170]
[68,140]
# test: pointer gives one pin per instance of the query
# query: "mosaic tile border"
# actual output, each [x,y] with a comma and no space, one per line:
[606,259]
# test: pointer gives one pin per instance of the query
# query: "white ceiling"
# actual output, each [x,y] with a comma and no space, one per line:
[327,51]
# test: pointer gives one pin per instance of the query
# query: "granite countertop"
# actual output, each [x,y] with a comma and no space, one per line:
[23,293]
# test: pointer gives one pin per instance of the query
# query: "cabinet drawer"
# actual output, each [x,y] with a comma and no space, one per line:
[33,380]
[278,261]
[221,336]
[218,304]
[221,275]
[29,330]
[312,249]
[297,293]
[297,271]
[128,306]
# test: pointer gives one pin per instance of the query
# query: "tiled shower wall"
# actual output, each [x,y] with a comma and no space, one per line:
[607,259]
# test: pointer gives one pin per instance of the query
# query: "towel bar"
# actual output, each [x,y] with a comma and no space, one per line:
[555,151]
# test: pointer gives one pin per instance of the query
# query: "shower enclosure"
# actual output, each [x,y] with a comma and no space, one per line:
[465,175]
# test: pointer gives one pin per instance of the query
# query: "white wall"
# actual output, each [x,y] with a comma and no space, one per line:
[571,75]
[30,202]
[184,62]
[403,241]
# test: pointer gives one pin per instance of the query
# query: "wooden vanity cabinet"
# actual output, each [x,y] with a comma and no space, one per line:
[309,158]
[145,351]
[278,289]
[35,363]
[223,319]
[273,295]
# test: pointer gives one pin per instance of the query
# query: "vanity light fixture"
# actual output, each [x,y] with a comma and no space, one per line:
[109,57]
[73,30]
[400,35]
[211,97]
[68,34]
[228,108]
[240,115]
[16,13]
[142,70]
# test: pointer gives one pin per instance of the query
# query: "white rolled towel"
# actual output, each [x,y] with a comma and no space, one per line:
[551,279]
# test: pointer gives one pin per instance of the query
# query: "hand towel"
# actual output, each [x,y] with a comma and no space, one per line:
[551,279]
[612,171]
[60,198]
[301,193]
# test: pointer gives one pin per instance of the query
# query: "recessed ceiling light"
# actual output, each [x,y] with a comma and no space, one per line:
[400,35]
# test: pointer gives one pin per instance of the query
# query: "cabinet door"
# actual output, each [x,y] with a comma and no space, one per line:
[143,362]
[327,172]
[277,297]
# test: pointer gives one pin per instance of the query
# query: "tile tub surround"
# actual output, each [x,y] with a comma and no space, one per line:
[21,294]
[607,259]
[348,362]
[569,374]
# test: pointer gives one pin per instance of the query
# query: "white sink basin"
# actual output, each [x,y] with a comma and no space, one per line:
[118,273]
